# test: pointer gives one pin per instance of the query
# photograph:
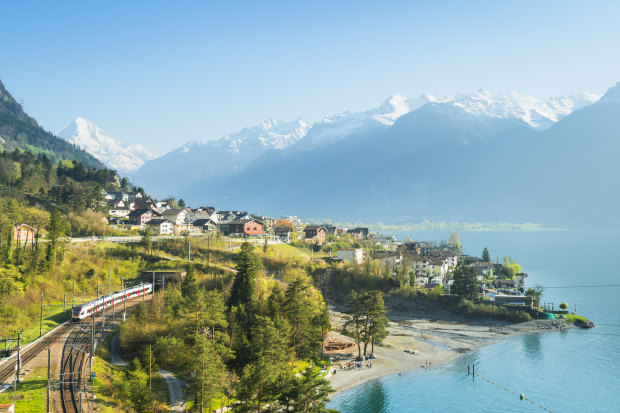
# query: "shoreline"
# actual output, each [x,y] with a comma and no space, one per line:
[436,341]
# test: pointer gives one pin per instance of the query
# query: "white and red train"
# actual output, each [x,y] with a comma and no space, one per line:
[91,307]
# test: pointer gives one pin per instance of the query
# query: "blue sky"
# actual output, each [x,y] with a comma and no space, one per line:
[161,73]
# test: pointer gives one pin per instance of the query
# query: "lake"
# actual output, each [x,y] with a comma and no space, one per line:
[573,371]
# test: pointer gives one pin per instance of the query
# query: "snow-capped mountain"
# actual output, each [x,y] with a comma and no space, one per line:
[212,158]
[537,114]
[89,137]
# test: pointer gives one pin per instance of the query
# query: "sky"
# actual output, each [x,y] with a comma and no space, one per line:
[161,73]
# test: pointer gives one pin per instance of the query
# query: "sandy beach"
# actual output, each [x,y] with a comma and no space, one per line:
[434,341]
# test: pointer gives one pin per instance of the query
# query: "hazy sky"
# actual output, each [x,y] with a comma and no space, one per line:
[161,73]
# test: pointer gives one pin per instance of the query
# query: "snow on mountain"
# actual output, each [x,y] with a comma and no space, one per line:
[270,134]
[210,158]
[89,137]
[537,114]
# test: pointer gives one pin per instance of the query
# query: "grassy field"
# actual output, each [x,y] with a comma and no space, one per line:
[33,390]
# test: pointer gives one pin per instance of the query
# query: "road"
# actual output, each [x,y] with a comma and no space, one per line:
[115,351]
[177,391]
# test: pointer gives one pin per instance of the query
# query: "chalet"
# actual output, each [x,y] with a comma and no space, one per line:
[174,215]
[24,233]
[140,217]
[140,203]
[245,227]
[482,268]
[283,233]
[315,233]
[200,214]
[354,255]
[205,225]
[226,217]
[119,212]
[160,226]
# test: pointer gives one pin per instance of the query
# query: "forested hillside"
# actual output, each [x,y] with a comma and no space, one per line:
[18,130]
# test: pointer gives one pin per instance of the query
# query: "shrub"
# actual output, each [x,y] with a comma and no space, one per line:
[563,306]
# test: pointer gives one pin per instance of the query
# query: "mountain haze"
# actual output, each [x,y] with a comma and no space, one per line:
[448,159]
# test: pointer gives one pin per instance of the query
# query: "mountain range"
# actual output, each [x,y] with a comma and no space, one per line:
[219,159]
[89,137]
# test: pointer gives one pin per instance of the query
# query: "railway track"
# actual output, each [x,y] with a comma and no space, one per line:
[7,372]
[74,353]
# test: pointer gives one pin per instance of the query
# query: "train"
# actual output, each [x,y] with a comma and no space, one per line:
[87,309]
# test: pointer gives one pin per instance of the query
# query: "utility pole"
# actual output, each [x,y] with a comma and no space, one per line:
[41,319]
[109,280]
[73,297]
[150,363]
[92,347]
[142,290]
[83,295]
[189,255]
[103,318]
[122,283]
[64,302]
[49,358]
[18,358]
[153,290]
[97,291]
[113,309]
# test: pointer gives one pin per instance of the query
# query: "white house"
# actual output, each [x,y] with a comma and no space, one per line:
[354,255]
[161,226]
[175,215]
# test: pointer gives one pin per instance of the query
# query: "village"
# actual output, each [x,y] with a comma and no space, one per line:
[423,264]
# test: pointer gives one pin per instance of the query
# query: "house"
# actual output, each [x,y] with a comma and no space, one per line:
[24,233]
[512,299]
[7,408]
[482,268]
[354,255]
[283,233]
[119,212]
[245,227]
[359,232]
[205,225]
[117,196]
[226,217]
[389,260]
[424,265]
[174,215]
[139,203]
[315,233]
[410,248]
[160,226]
[140,217]
[200,213]
[185,228]
[133,196]
[506,285]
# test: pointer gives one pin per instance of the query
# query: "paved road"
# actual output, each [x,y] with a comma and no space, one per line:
[115,351]
[177,391]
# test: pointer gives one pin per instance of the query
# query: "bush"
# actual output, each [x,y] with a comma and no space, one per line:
[563,306]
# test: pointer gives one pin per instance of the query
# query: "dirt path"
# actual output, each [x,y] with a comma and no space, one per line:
[115,351]
[177,391]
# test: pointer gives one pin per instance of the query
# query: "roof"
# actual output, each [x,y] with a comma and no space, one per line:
[314,228]
[202,222]
[172,211]
[244,221]
[139,212]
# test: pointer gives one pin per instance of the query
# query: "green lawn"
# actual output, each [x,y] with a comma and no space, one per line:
[576,318]
[33,389]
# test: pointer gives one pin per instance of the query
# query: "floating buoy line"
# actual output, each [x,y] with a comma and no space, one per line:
[490,381]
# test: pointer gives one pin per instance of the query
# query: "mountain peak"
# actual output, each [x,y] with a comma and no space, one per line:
[88,136]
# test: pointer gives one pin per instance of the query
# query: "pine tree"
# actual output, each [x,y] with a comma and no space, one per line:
[465,282]
[486,257]
[248,268]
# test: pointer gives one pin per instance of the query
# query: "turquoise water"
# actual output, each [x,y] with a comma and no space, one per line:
[573,371]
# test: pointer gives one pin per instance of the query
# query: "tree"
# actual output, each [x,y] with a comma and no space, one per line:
[535,294]
[312,392]
[486,257]
[354,324]
[181,203]
[258,387]
[298,311]
[563,306]
[454,242]
[377,318]
[210,371]
[465,281]
[248,268]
